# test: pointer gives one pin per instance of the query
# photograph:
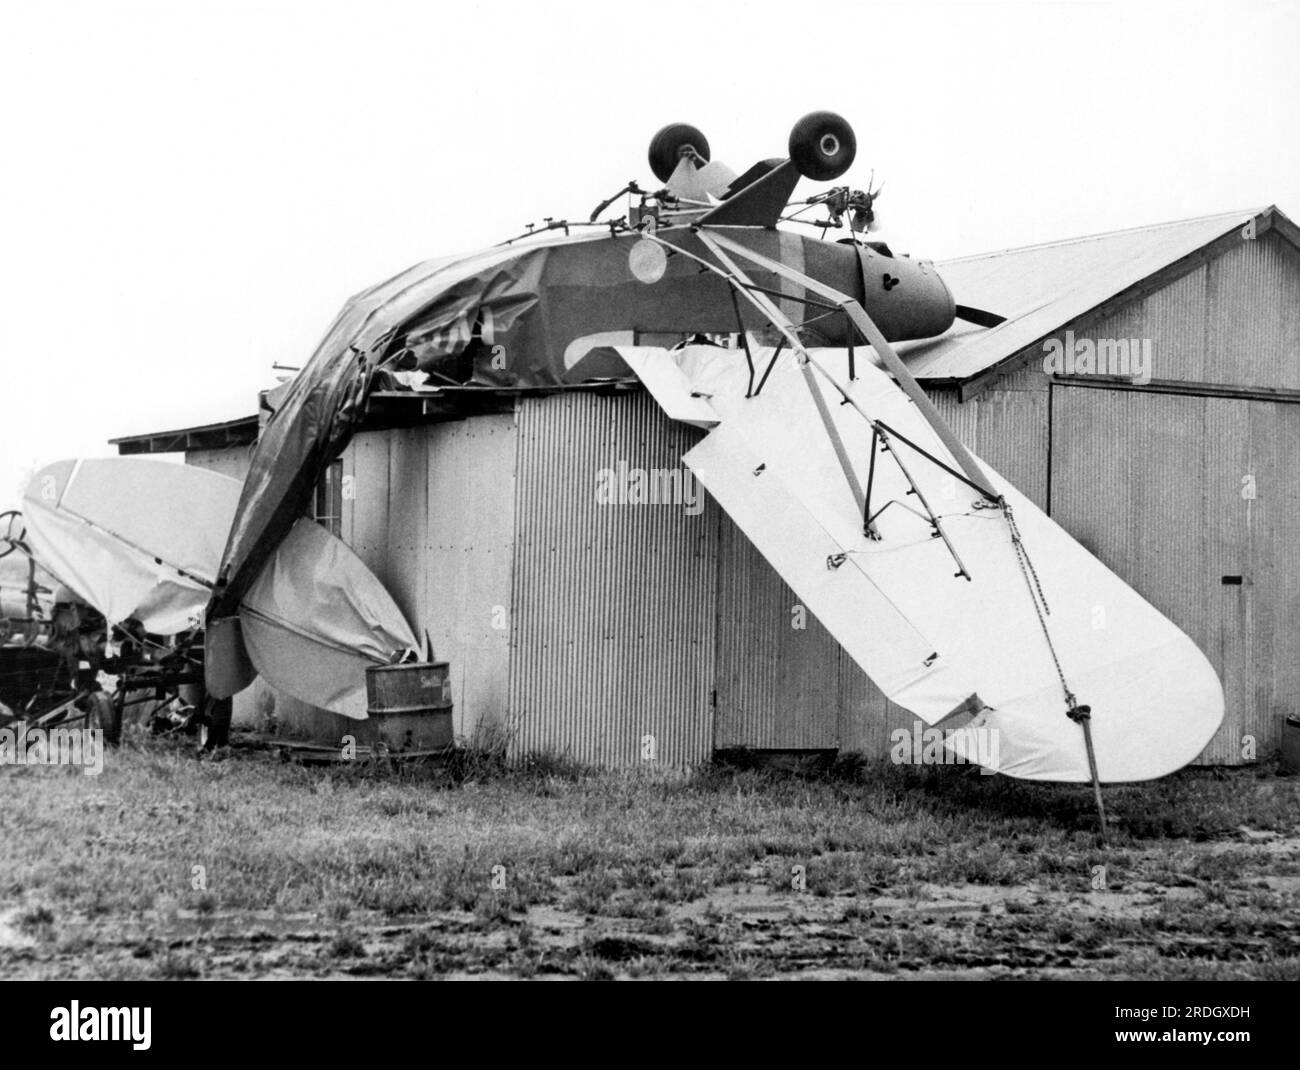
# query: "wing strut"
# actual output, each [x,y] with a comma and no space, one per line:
[741,284]
[871,333]
[806,365]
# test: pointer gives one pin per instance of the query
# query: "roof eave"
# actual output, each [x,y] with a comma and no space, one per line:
[238,432]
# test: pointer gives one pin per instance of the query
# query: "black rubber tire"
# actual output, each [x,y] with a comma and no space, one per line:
[666,148]
[822,146]
[106,713]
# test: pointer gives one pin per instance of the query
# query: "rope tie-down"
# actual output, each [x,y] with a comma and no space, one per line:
[1079,714]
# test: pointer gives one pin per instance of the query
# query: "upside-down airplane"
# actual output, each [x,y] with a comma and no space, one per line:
[961,600]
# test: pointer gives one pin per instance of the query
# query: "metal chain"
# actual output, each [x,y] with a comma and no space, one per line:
[1023,554]
[1036,596]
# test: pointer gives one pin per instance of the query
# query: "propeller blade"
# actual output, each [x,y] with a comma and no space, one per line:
[979,317]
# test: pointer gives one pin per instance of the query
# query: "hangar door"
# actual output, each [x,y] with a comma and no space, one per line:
[1195,502]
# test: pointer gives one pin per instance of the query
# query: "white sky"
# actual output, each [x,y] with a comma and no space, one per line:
[190,191]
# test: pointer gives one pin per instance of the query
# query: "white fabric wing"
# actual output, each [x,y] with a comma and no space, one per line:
[1155,698]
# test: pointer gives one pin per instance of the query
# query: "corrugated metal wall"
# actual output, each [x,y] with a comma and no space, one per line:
[1006,426]
[614,606]
[778,678]
[365,499]
[410,451]
[866,716]
[1153,485]
[1272,524]
[1234,321]
[1226,455]
[430,510]
[469,561]
[229,461]
[1253,312]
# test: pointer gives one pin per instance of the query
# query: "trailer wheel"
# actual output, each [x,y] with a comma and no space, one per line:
[104,713]
[822,145]
[216,732]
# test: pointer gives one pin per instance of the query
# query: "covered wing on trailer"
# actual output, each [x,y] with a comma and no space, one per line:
[142,539]
[131,537]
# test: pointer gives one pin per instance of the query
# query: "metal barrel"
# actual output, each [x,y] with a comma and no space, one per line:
[410,705]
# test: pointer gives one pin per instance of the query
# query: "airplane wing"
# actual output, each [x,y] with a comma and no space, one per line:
[1038,615]
[1031,637]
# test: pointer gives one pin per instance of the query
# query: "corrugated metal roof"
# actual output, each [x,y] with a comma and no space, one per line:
[1041,288]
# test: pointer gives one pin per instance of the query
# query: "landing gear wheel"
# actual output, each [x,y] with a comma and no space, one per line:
[822,146]
[672,142]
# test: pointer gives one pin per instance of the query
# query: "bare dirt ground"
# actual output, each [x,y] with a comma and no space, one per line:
[167,866]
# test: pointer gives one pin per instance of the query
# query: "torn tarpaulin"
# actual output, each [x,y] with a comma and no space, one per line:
[513,316]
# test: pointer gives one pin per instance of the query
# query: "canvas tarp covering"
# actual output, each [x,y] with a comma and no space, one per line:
[318,413]
[317,618]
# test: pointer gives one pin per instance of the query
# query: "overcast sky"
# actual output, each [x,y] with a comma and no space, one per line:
[190,191]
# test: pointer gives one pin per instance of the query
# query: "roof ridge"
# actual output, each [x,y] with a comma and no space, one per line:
[1243,212]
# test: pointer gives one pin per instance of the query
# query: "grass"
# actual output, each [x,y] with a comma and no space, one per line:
[550,868]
